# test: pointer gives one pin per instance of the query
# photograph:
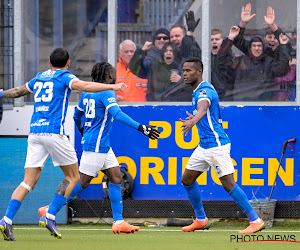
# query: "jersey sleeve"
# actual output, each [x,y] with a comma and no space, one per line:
[30,85]
[69,78]
[204,94]
[113,108]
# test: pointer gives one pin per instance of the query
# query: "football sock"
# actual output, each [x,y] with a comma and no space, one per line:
[116,201]
[57,203]
[75,191]
[194,195]
[241,199]
[12,209]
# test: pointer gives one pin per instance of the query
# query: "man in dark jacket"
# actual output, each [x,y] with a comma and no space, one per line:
[152,50]
[255,70]
[222,75]
[184,39]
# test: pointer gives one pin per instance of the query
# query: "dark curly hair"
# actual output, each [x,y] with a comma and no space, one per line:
[100,70]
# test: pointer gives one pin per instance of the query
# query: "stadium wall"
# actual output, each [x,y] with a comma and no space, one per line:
[257,134]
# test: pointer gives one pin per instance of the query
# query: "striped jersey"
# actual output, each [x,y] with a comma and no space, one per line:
[98,120]
[210,129]
[51,91]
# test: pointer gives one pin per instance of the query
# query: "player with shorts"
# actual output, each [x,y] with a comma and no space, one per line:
[100,109]
[213,150]
[47,137]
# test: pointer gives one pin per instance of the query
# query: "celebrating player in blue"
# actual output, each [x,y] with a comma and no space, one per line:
[213,150]
[47,137]
[100,109]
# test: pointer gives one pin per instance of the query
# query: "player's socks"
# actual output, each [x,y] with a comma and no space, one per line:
[12,209]
[241,199]
[194,195]
[75,191]
[116,201]
[57,203]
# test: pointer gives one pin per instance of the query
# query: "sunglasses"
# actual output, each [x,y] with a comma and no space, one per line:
[162,37]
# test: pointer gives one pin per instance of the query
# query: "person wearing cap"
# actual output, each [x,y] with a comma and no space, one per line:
[152,50]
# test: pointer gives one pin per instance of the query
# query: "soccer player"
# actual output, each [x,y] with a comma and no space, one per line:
[47,137]
[100,109]
[213,150]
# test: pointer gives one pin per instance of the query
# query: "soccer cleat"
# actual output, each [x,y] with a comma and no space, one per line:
[50,225]
[253,228]
[196,225]
[6,230]
[124,227]
[43,210]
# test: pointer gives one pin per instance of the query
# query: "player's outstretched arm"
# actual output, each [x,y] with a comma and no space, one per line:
[14,92]
[96,87]
[149,131]
[120,116]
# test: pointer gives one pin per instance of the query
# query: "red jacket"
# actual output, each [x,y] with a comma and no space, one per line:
[137,87]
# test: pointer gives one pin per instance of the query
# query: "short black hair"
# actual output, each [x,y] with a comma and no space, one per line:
[197,62]
[100,70]
[59,57]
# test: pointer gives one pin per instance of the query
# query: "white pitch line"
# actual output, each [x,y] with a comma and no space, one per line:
[151,230]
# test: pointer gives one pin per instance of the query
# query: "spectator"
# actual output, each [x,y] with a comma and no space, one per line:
[160,77]
[287,84]
[161,36]
[137,87]
[255,70]
[222,75]
[185,41]
[271,37]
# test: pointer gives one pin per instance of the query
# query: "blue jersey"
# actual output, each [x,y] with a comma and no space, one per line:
[210,129]
[96,107]
[51,91]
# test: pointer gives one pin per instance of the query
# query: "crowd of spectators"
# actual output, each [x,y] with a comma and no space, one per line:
[264,70]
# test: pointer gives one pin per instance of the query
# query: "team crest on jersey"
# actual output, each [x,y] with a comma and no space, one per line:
[48,73]
[111,99]
[202,93]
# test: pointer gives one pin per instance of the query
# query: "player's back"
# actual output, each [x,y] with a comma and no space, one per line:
[210,128]
[98,120]
[51,91]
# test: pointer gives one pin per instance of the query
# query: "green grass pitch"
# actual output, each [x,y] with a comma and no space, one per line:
[101,237]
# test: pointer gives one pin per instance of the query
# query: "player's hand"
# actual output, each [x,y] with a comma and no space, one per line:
[149,131]
[190,116]
[186,126]
[120,86]
[190,21]
[119,98]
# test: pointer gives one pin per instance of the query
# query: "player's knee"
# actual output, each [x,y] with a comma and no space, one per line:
[26,186]
[84,184]
[186,181]
[115,179]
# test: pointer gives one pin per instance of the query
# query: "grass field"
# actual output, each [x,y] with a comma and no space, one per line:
[101,237]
